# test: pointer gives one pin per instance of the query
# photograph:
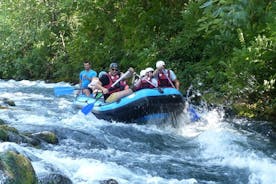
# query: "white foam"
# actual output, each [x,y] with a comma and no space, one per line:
[226,147]
[16,96]
[222,145]
[28,83]
[89,170]
[208,120]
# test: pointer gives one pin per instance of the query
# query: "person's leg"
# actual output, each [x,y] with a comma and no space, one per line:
[118,95]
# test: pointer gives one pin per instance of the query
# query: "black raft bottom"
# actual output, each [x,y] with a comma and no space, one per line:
[144,109]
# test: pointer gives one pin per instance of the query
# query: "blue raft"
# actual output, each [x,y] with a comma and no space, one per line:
[140,106]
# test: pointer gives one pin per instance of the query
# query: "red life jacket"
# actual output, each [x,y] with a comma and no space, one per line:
[163,79]
[146,84]
[118,87]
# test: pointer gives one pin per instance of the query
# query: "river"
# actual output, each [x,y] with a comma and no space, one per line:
[216,149]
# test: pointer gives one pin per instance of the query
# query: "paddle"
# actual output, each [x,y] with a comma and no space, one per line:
[170,80]
[65,90]
[88,108]
[190,109]
[146,80]
[156,86]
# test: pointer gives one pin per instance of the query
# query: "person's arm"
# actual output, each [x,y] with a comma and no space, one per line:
[137,84]
[130,74]
[174,79]
[80,79]
[100,87]
[155,73]
[103,80]
[177,83]
[155,82]
[93,82]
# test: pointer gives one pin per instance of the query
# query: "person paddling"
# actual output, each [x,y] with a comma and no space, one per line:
[165,77]
[107,80]
[146,81]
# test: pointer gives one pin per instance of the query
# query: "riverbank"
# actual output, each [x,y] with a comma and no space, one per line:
[242,108]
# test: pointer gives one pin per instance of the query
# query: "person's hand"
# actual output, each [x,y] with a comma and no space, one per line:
[105,91]
[131,70]
[156,71]
[159,68]
[93,83]
[99,86]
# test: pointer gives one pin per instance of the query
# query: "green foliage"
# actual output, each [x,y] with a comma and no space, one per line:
[224,47]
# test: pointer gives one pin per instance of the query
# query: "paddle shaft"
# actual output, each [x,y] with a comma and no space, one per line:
[170,81]
[146,80]
[123,76]
[64,90]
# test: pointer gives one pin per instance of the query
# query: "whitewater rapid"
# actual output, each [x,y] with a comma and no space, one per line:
[213,150]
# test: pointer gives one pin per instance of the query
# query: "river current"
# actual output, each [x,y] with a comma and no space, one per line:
[215,149]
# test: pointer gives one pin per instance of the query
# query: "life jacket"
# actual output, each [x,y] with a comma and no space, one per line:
[163,79]
[118,87]
[146,84]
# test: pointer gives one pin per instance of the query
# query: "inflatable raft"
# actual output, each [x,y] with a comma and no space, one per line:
[140,106]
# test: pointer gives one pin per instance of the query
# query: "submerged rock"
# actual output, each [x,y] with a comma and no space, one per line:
[109,181]
[19,138]
[54,179]
[8,133]
[16,169]
[5,130]
[10,146]
[8,102]
[3,135]
[2,122]
[46,136]
[5,103]
[9,128]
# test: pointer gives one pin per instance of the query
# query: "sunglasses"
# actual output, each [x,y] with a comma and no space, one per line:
[114,69]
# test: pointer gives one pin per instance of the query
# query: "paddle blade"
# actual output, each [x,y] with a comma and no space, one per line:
[194,116]
[63,90]
[87,109]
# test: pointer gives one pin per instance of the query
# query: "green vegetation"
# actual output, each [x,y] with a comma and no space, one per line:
[225,48]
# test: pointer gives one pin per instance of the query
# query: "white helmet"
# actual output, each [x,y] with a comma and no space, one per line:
[149,69]
[159,64]
[142,73]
